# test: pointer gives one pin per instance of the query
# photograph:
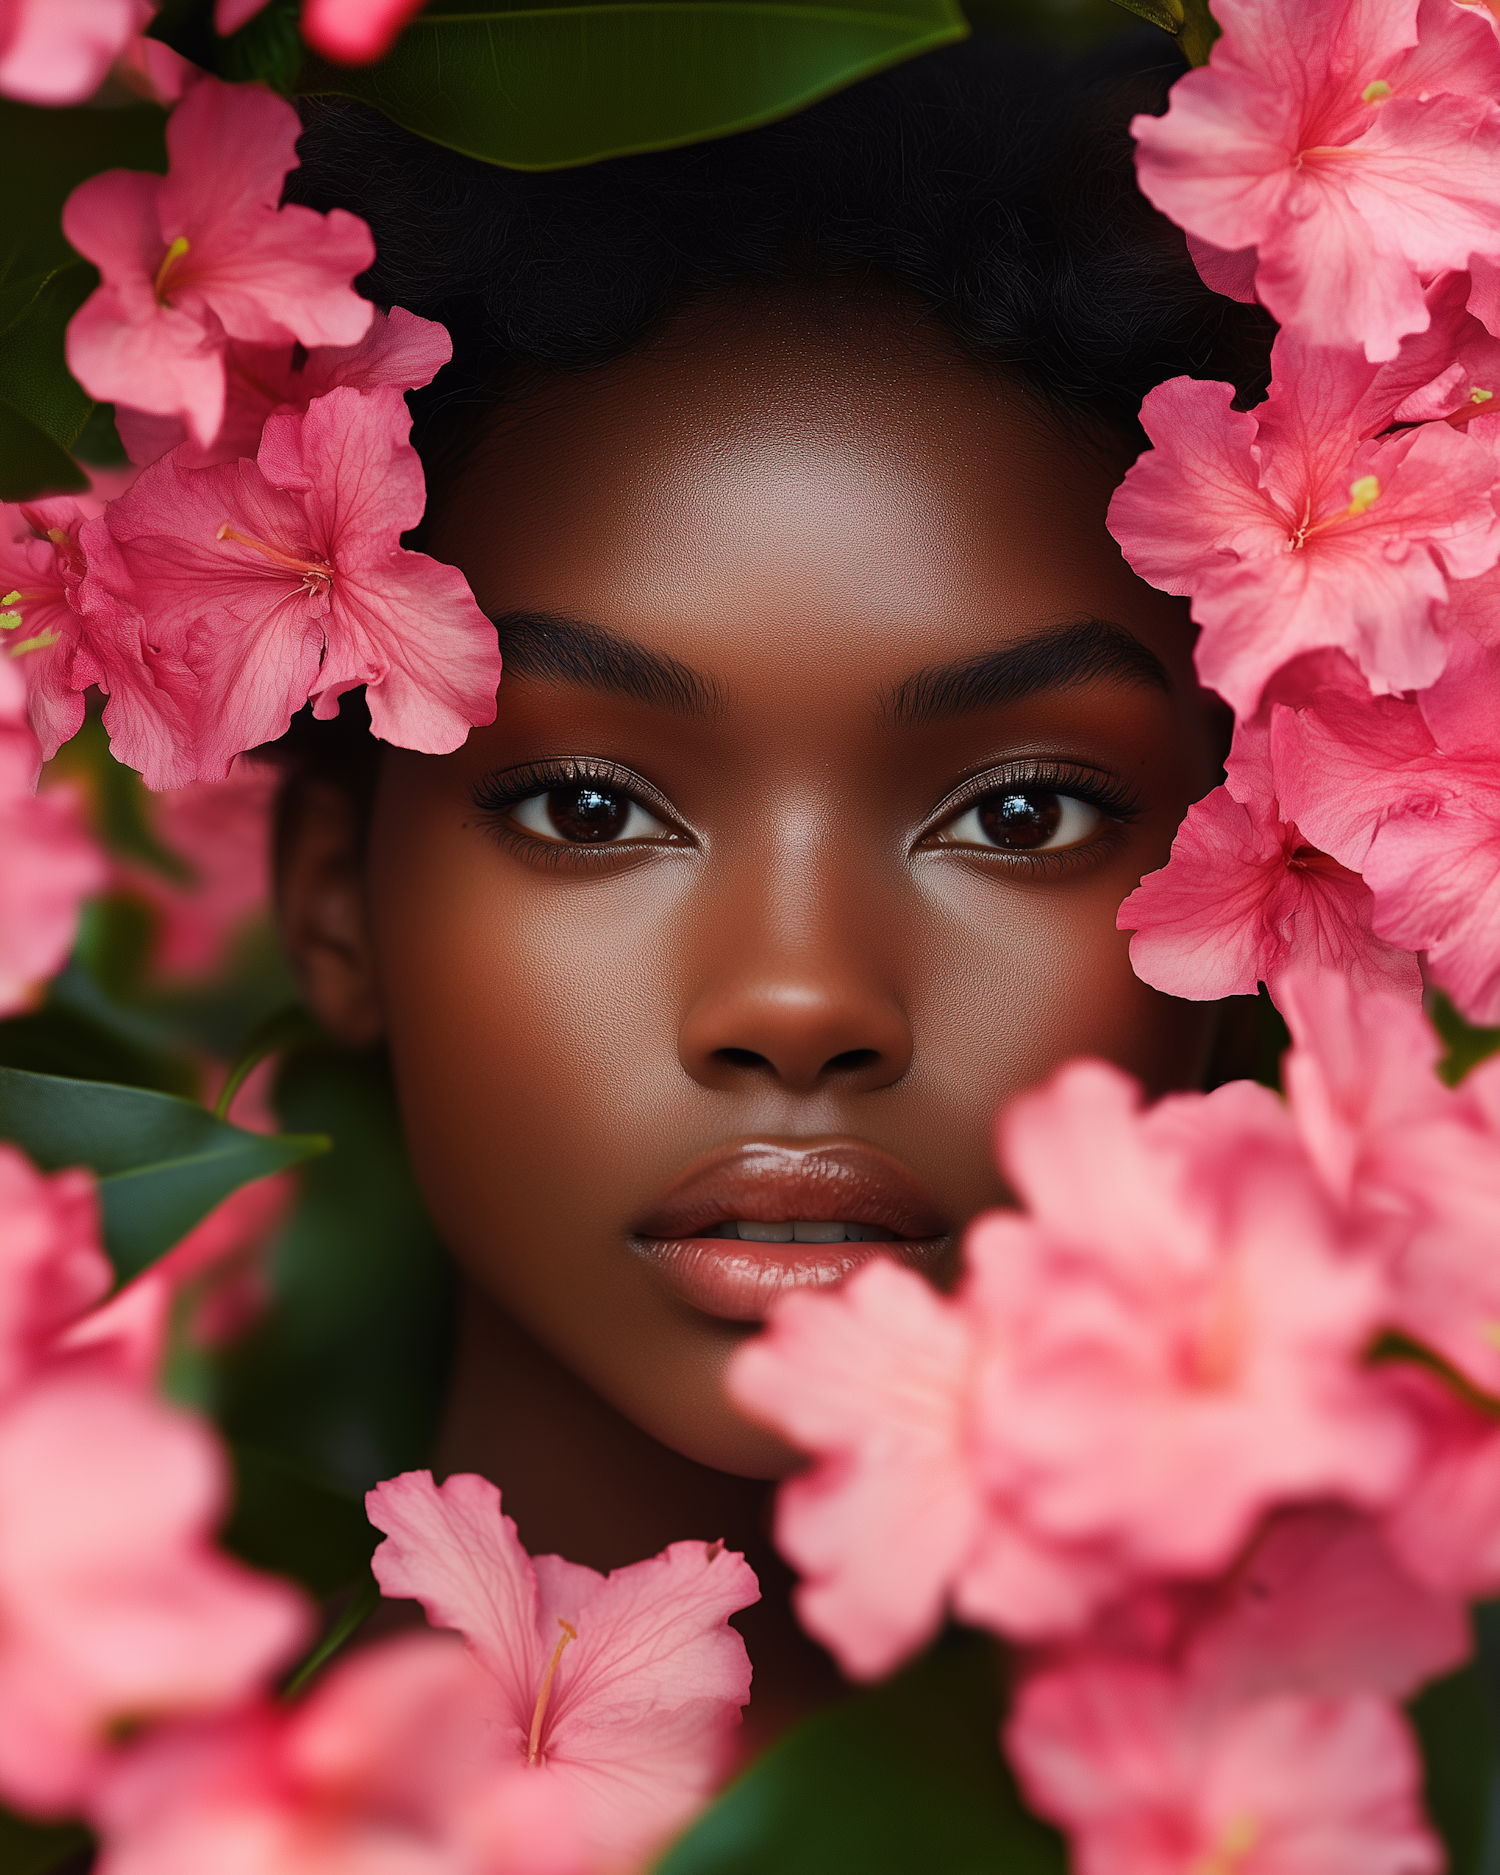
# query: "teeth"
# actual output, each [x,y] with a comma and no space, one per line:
[802,1230]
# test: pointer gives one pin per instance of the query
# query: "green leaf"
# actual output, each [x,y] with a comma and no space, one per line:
[31,463]
[1467,1045]
[48,152]
[34,379]
[1455,1727]
[1189,22]
[544,86]
[28,1848]
[296,1525]
[162,1163]
[906,1778]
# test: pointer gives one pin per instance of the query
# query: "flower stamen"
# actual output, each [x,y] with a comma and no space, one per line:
[317,575]
[1376,92]
[534,1743]
[168,261]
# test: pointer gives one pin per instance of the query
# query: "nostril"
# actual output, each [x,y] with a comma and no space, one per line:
[850,1061]
[741,1058]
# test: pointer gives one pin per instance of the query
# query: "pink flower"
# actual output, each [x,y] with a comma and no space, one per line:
[66,645]
[113,1605]
[1417,1163]
[1150,1779]
[1406,794]
[353,31]
[48,863]
[1445,1526]
[399,349]
[380,1770]
[1244,898]
[1292,532]
[59,51]
[222,830]
[1175,1329]
[622,1689]
[1353,144]
[285,578]
[204,255]
[51,1266]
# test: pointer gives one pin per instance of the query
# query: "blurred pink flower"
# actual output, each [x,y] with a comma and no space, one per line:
[1291,531]
[1417,1163]
[285,579]
[1406,794]
[222,831]
[49,863]
[1244,898]
[205,254]
[399,350]
[114,1607]
[1445,1526]
[51,1265]
[353,31]
[382,1769]
[1175,1329]
[1355,145]
[60,51]
[623,1689]
[1149,1778]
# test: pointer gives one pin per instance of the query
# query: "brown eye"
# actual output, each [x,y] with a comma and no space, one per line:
[1023,820]
[586,813]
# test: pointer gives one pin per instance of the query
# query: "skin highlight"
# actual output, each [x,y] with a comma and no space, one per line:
[809,587]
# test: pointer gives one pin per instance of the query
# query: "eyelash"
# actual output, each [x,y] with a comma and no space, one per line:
[496,795]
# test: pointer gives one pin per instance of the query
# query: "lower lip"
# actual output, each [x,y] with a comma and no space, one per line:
[740,1281]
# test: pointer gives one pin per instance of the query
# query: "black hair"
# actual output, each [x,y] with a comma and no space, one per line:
[991,180]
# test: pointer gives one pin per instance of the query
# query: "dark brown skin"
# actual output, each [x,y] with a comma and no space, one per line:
[807,499]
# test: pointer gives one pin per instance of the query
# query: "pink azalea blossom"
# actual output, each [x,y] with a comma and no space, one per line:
[114,1607]
[1175,1328]
[1148,1778]
[60,51]
[49,864]
[622,1689]
[64,644]
[1244,899]
[222,831]
[203,255]
[1445,1526]
[1406,794]
[381,1769]
[51,1266]
[399,349]
[1290,530]
[355,32]
[1355,145]
[1416,1162]
[285,578]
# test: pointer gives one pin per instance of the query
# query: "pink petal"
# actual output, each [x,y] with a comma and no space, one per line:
[356,31]
[60,51]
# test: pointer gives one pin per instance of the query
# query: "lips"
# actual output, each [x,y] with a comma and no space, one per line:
[765,1184]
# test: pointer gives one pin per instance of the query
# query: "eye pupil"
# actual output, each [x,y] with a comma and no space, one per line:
[586,813]
[1021,820]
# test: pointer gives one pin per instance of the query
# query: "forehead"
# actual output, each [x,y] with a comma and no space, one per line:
[795,475]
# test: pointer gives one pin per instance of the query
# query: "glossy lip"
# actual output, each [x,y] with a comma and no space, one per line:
[767,1181]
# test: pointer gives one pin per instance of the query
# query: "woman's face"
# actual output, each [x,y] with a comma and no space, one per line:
[833,732]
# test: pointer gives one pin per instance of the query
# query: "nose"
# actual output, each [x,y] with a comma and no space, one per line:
[803,1008]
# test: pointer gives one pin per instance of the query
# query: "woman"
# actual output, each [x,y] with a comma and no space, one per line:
[834,730]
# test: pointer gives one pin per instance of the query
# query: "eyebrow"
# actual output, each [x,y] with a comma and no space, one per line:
[1061,658]
[564,650]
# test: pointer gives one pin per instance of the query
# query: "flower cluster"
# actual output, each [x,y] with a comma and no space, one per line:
[255,561]
[583,1722]
[1209,1428]
[1339,542]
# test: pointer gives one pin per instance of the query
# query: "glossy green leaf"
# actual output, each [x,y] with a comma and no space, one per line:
[903,1779]
[31,463]
[162,1162]
[544,86]
[1189,22]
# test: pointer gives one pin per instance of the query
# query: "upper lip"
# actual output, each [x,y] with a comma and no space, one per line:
[773,1181]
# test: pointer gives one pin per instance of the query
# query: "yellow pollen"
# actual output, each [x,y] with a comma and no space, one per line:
[10,598]
[1240,1836]
[1479,395]
[1376,92]
[313,571]
[42,642]
[168,261]
[9,621]
[59,537]
[534,1743]
[1362,494]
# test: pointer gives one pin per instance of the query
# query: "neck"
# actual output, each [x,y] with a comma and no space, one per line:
[584,1482]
